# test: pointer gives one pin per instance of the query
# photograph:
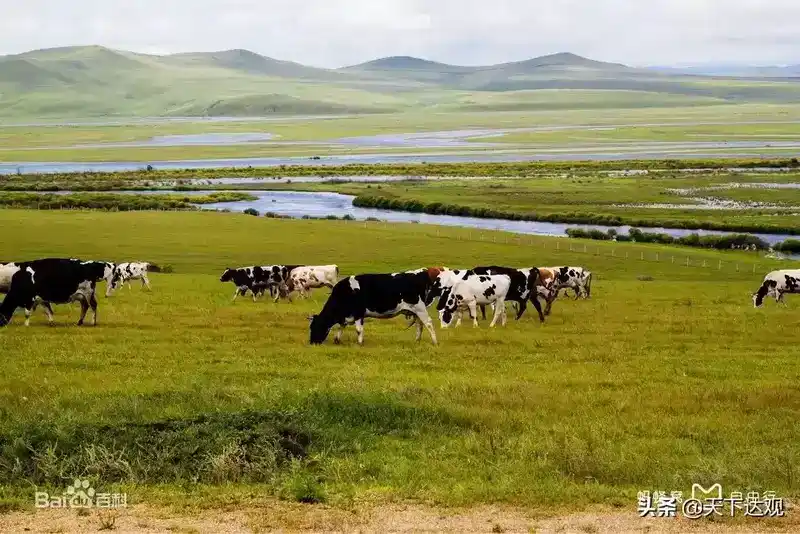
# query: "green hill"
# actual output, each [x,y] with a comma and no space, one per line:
[92,81]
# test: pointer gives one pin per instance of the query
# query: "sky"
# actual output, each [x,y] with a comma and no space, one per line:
[335,33]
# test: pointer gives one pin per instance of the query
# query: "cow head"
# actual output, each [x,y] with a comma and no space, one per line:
[227,275]
[447,311]
[763,291]
[115,282]
[318,329]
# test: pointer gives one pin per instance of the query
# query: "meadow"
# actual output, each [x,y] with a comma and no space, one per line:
[666,377]
[320,135]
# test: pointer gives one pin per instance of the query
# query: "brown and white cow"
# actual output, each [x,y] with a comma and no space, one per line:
[553,279]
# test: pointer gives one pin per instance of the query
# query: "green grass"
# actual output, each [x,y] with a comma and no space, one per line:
[654,385]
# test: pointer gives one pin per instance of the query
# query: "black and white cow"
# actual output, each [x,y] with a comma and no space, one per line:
[524,284]
[471,291]
[124,273]
[776,284]
[253,278]
[381,296]
[279,280]
[56,281]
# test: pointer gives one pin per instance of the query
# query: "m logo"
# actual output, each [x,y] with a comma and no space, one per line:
[699,492]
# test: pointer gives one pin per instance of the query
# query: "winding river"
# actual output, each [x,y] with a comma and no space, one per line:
[315,204]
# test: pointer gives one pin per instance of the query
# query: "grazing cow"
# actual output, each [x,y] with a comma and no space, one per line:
[524,284]
[253,278]
[554,279]
[125,272]
[303,279]
[382,296]
[52,280]
[776,284]
[472,290]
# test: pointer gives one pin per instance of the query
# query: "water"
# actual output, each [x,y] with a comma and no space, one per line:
[314,204]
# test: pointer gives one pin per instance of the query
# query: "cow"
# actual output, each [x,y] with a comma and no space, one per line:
[381,296]
[776,284]
[125,272]
[253,278]
[554,279]
[472,290]
[524,284]
[305,278]
[278,279]
[52,280]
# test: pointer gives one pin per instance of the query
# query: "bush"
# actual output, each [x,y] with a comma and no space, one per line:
[720,242]
[790,246]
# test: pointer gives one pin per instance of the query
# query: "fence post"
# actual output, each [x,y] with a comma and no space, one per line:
[584,248]
[558,244]
[737,267]
[719,267]
[673,259]
[612,252]
[642,256]
[687,261]
[754,268]
[626,254]
[656,256]
[704,263]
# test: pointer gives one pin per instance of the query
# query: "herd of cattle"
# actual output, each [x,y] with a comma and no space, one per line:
[410,293]
[352,299]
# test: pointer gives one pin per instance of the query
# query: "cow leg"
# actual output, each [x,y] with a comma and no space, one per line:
[483,312]
[338,337]
[780,298]
[521,307]
[538,306]
[93,304]
[472,307]
[360,330]
[146,282]
[577,292]
[84,308]
[28,312]
[499,310]
[419,328]
[49,311]
[421,315]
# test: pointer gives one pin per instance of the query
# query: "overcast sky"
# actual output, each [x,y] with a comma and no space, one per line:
[333,33]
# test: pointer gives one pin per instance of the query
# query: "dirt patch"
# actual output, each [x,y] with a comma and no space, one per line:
[287,517]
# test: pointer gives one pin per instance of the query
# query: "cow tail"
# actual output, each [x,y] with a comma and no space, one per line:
[589,285]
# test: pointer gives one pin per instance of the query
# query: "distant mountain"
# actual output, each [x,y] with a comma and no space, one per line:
[731,69]
[91,81]
[252,63]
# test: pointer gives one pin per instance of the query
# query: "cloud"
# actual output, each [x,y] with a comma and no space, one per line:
[335,33]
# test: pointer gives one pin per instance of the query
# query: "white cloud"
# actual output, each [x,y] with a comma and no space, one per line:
[339,32]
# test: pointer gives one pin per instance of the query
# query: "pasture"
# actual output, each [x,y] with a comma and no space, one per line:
[179,395]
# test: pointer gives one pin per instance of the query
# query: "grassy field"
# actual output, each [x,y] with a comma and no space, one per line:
[180,394]
[320,136]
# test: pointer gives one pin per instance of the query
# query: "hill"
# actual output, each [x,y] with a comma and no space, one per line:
[92,81]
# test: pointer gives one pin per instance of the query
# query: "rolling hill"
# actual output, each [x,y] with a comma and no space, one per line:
[92,81]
